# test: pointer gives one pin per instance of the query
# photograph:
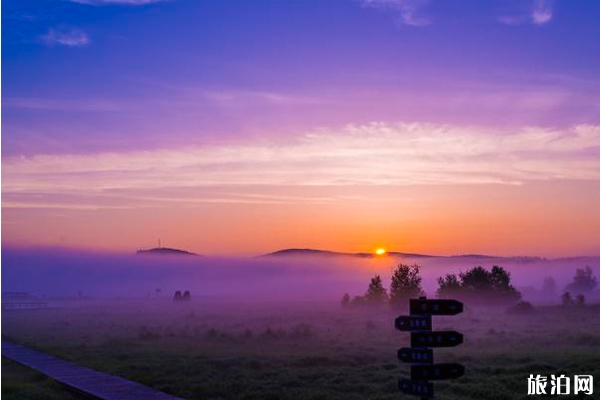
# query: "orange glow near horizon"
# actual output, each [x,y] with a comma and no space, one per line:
[532,219]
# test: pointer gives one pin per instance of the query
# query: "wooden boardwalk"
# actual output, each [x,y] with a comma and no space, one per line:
[98,384]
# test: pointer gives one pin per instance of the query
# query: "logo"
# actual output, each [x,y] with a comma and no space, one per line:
[560,385]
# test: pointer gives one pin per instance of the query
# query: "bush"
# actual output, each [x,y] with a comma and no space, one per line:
[522,307]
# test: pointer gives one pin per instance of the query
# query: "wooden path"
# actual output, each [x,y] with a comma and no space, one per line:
[98,384]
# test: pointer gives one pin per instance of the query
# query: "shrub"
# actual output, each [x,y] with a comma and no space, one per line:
[522,307]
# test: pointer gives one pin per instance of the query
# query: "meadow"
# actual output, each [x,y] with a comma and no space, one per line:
[206,349]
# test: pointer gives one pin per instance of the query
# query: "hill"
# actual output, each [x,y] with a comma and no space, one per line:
[165,251]
[329,254]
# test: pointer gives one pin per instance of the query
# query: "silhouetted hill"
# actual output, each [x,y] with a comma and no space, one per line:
[165,251]
[327,253]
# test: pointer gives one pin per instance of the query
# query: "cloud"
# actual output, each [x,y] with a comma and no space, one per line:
[42,104]
[512,20]
[408,10]
[542,12]
[377,153]
[66,36]
[118,2]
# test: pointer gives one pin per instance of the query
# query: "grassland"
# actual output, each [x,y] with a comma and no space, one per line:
[202,350]
[22,383]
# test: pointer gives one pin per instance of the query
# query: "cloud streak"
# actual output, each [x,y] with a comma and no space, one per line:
[118,2]
[66,36]
[542,12]
[371,154]
[409,11]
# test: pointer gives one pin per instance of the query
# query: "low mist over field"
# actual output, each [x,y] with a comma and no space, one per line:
[60,272]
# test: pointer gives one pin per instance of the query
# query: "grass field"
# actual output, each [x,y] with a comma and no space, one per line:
[22,383]
[202,350]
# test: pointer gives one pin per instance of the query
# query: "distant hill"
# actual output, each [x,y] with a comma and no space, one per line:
[165,251]
[326,253]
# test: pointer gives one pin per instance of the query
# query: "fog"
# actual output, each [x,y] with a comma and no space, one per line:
[55,272]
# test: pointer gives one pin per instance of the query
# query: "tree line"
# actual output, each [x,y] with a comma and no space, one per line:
[476,285]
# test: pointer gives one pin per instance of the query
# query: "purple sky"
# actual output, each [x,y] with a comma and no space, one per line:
[119,114]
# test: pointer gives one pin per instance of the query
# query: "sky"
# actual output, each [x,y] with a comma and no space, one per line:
[239,128]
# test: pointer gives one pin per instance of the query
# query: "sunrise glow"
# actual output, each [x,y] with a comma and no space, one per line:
[382,123]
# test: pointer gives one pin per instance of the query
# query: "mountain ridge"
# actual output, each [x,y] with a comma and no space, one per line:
[291,252]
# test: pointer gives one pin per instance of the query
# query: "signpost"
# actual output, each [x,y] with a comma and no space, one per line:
[411,323]
[436,371]
[412,355]
[422,339]
[436,339]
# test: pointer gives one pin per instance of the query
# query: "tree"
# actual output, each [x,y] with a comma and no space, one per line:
[566,299]
[376,293]
[501,283]
[406,284]
[549,287]
[580,300]
[448,285]
[479,284]
[346,300]
[475,280]
[583,281]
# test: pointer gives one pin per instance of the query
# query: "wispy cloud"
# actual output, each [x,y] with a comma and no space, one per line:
[118,2]
[513,20]
[372,154]
[542,12]
[43,104]
[408,10]
[66,36]
[248,97]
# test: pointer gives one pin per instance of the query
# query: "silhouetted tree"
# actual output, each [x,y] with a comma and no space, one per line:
[479,284]
[566,299]
[449,285]
[345,300]
[476,280]
[376,293]
[358,301]
[583,281]
[580,300]
[406,284]
[549,287]
[489,285]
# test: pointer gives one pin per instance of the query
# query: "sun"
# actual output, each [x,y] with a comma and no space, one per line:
[380,251]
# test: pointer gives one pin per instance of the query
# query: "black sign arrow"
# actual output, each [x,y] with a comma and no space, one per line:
[436,371]
[435,339]
[435,307]
[413,323]
[406,354]
[424,389]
